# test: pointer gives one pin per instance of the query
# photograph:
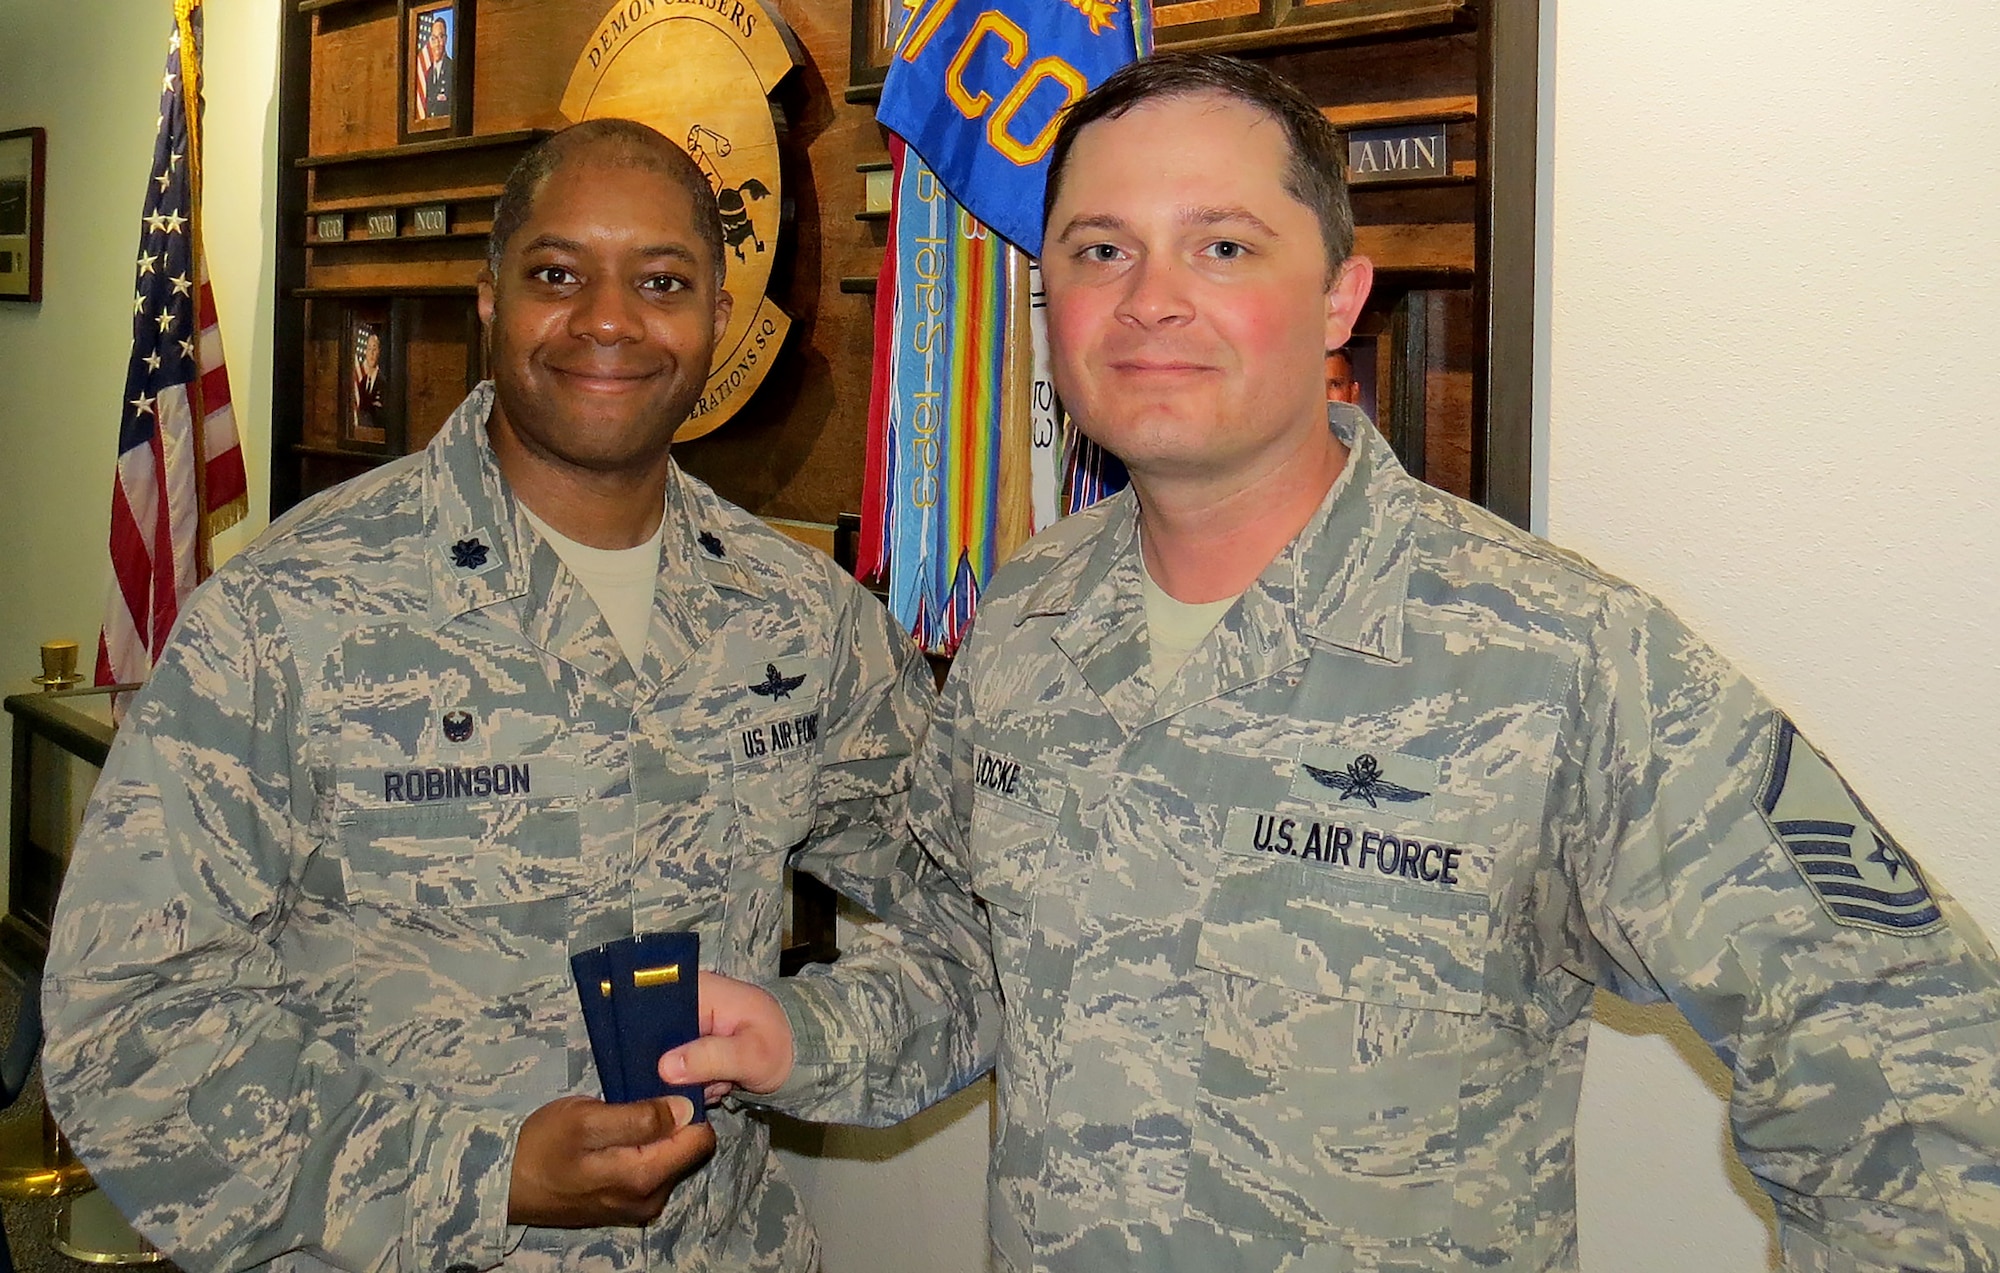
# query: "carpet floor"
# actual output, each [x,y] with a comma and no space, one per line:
[31,1222]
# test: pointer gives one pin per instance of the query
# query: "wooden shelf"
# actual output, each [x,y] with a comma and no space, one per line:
[314,6]
[421,149]
[1181,13]
[369,458]
[871,216]
[405,239]
[420,289]
[368,203]
[1308,30]
[858,285]
[1450,110]
[1428,249]
[1461,174]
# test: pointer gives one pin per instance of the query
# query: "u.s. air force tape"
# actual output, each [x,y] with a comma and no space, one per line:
[1342,846]
[776,737]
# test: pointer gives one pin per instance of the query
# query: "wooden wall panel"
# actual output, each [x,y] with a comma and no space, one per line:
[1367,76]
[444,263]
[474,175]
[351,78]
[525,50]
[1443,248]
[322,387]
[435,351]
[1448,392]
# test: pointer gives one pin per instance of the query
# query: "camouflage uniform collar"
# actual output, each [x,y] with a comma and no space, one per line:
[1343,579]
[1101,598]
[477,555]
[1070,579]
[693,550]
[688,605]
[1350,566]
[483,551]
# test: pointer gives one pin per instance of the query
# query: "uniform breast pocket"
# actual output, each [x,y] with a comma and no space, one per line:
[1015,806]
[481,856]
[774,778]
[1333,1051]
[1009,842]
[462,893]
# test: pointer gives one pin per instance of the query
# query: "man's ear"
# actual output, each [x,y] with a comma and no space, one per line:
[1345,296]
[725,305]
[486,298]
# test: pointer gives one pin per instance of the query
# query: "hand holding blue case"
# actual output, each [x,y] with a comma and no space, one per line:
[639,1001]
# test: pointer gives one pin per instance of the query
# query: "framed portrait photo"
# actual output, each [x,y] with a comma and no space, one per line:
[23,168]
[436,94]
[372,379]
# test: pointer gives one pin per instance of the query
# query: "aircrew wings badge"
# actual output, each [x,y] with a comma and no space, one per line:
[1851,864]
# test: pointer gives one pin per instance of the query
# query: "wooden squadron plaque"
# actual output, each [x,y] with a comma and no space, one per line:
[702,71]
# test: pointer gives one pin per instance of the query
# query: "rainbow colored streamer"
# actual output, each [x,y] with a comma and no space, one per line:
[949,450]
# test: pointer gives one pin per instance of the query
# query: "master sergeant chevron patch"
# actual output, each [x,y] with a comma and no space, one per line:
[1851,864]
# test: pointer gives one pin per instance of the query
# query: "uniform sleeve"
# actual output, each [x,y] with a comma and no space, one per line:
[1722,864]
[197,1090]
[906,1016]
[941,798]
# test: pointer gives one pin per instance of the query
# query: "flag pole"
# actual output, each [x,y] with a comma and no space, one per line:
[197,407]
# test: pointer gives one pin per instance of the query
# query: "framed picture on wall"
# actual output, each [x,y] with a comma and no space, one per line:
[23,165]
[372,379]
[876,24]
[436,63]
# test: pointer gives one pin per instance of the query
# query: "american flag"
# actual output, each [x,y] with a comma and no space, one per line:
[180,468]
[425,62]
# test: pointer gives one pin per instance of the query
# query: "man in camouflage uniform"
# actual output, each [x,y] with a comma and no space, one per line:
[309,1001]
[1297,938]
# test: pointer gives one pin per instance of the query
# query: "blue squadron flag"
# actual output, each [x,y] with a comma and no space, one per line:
[979,90]
[966,448]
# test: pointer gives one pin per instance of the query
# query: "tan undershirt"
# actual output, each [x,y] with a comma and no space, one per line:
[1175,628]
[619,580]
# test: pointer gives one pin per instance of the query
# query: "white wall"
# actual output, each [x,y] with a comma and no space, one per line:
[62,363]
[1772,280]
[904,1199]
[89,72]
[1773,297]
